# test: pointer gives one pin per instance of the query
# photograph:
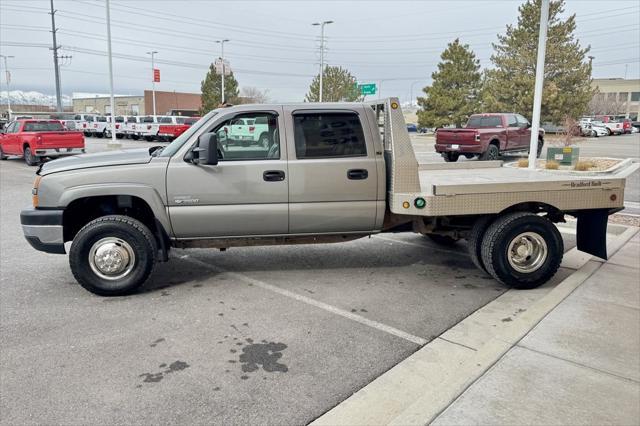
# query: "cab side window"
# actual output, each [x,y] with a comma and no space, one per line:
[512,121]
[251,136]
[522,122]
[328,135]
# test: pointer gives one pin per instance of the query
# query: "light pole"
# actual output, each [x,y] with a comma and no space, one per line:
[411,91]
[537,89]
[222,42]
[153,79]
[113,144]
[321,24]
[7,77]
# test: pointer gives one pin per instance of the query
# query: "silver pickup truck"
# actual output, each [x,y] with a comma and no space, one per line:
[330,172]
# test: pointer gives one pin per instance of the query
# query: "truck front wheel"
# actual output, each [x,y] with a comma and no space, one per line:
[30,158]
[522,250]
[113,255]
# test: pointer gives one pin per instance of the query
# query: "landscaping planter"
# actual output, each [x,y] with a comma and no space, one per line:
[567,156]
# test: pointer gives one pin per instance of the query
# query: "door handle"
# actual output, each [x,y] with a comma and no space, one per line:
[273,175]
[357,174]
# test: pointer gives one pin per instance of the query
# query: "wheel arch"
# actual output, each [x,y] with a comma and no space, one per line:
[553,213]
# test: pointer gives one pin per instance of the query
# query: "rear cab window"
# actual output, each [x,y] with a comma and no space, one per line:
[43,126]
[328,135]
[480,121]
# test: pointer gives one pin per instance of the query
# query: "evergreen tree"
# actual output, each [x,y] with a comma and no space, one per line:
[338,85]
[567,76]
[212,90]
[454,93]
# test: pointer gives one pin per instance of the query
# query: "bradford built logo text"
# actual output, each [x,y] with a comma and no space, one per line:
[587,183]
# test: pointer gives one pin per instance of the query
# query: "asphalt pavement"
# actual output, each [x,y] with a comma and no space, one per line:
[252,335]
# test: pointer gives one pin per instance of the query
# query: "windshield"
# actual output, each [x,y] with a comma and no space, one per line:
[478,121]
[174,146]
[43,126]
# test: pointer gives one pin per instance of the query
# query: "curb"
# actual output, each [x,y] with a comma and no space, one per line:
[418,389]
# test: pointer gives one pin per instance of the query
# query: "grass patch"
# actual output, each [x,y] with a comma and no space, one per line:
[583,166]
[523,162]
[552,165]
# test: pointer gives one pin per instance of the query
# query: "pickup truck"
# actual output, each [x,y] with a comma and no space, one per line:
[37,139]
[168,132]
[331,172]
[486,136]
[246,132]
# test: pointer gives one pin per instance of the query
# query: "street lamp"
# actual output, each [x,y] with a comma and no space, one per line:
[321,24]
[113,144]
[411,91]
[153,79]
[7,77]
[222,42]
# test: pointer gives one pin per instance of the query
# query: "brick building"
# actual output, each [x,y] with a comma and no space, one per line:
[175,103]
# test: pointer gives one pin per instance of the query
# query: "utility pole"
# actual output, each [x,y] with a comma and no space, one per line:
[537,91]
[411,91]
[222,42]
[153,79]
[55,48]
[7,77]
[321,24]
[113,144]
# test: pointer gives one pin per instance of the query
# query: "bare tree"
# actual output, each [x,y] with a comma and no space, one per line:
[252,95]
[604,103]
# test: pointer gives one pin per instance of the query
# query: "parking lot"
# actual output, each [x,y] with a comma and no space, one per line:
[264,335]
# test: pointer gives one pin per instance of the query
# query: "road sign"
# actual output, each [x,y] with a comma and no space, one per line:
[218,67]
[367,89]
[156,75]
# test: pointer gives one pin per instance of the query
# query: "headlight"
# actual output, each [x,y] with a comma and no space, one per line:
[34,191]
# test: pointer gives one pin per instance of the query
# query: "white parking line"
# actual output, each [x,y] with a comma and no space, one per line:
[350,315]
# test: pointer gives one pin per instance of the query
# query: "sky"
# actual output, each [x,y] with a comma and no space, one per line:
[273,46]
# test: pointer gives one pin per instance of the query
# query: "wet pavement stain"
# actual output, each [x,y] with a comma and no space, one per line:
[155,343]
[507,319]
[156,377]
[265,355]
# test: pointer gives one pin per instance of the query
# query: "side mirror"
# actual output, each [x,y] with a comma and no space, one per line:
[206,152]
[528,126]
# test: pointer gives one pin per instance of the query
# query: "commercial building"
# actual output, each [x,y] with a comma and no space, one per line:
[616,96]
[167,103]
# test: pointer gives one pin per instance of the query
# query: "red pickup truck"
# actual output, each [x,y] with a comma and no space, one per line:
[37,139]
[487,136]
[168,132]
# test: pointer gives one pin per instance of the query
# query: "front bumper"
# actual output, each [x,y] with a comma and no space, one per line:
[43,229]
[58,152]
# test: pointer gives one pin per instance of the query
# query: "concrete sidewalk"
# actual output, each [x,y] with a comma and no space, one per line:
[560,354]
[579,365]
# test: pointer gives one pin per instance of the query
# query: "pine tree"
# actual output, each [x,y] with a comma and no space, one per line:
[567,76]
[454,93]
[212,90]
[338,85]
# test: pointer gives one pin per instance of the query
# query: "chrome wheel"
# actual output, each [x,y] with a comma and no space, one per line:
[111,258]
[527,252]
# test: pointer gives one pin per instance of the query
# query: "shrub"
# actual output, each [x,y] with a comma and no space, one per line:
[552,165]
[583,166]
[523,162]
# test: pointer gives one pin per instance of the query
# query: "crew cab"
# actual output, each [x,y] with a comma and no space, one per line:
[37,139]
[327,174]
[486,136]
[168,132]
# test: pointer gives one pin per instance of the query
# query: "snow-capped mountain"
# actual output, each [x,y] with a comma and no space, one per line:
[20,97]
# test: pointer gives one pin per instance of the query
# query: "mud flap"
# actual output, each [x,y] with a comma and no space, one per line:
[592,231]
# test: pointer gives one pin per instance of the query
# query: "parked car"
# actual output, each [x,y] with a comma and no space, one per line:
[37,139]
[168,132]
[84,123]
[486,136]
[116,124]
[412,128]
[626,126]
[246,132]
[595,129]
[99,126]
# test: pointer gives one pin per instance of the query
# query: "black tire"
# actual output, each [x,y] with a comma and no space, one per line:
[2,156]
[119,136]
[474,240]
[540,146]
[127,230]
[451,157]
[135,137]
[30,158]
[100,135]
[492,153]
[504,231]
[469,156]
[443,240]
[149,138]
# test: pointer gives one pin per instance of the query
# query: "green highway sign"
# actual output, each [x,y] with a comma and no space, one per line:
[367,89]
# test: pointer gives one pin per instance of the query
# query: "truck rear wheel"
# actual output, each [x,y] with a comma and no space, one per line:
[30,158]
[474,240]
[2,156]
[451,157]
[113,255]
[522,250]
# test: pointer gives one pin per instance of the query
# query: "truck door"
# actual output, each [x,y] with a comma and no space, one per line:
[514,133]
[10,139]
[333,185]
[246,193]
[525,131]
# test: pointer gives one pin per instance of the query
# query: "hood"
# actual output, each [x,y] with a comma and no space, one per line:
[102,159]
